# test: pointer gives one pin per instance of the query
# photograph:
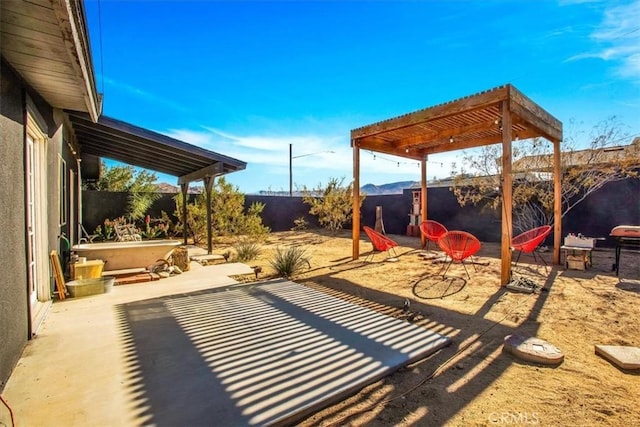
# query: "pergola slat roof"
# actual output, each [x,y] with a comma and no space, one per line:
[469,122]
[495,116]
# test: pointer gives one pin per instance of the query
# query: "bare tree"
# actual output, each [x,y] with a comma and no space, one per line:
[584,171]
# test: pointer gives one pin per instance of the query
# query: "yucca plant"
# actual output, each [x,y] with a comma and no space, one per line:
[289,261]
[247,250]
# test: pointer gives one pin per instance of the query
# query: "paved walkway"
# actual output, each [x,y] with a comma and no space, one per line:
[72,373]
[201,349]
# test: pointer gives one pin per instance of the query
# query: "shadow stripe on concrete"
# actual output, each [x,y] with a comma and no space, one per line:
[259,354]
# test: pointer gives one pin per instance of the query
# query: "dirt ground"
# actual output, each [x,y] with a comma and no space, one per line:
[472,381]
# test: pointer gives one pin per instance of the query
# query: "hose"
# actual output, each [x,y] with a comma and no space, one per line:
[13,422]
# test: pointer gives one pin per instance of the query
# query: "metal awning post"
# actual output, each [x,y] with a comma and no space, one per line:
[208,185]
[184,187]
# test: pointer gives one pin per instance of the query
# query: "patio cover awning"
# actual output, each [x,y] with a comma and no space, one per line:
[118,140]
[498,115]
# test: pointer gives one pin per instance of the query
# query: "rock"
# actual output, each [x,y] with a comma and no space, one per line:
[163,274]
[177,270]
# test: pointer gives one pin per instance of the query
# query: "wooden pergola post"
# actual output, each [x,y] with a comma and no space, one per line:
[557,203]
[507,195]
[355,229]
[423,196]
[494,116]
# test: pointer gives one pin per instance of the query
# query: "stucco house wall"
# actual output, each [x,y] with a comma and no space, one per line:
[13,290]
[15,317]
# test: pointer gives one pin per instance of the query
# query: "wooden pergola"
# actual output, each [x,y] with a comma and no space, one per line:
[499,115]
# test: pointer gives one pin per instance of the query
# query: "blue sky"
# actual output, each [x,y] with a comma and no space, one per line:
[246,79]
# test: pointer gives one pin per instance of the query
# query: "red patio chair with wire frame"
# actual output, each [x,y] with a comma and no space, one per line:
[432,230]
[459,245]
[380,243]
[529,241]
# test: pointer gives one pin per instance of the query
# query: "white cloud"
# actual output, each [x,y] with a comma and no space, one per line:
[572,2]
[147,96]
[316,158]
[263,149]
[618,40]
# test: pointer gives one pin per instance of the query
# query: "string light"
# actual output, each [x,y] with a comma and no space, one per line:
[377,156]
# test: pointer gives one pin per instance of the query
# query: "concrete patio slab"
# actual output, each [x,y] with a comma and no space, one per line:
[213,353]
[261,354]
[231,269]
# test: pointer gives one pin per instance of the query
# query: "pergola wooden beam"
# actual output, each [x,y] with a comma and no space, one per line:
[548,126]
[495,116]
[477,101]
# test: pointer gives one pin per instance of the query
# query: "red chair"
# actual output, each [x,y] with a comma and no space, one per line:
[529,241]
[380,242]
[459,245]
[432,230]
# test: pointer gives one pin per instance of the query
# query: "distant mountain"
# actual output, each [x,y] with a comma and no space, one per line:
[371,189]
[391,188]
[163,187]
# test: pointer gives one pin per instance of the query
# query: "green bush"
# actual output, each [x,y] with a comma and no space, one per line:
[228,217]
[289,261]
[247,250]
[140,184]
[333,204]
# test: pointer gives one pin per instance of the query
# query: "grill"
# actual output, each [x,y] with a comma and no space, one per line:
[626,236]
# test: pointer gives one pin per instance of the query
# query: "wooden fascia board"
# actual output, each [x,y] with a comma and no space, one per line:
[439,111]
[76,43]
[210,171]
[532,115]
[529,120]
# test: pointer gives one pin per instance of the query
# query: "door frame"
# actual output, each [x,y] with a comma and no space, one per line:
[38,268]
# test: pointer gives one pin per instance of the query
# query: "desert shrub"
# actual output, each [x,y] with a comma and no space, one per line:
[300,224]
[247,250]
[251,223]
[333,204]
[289,261]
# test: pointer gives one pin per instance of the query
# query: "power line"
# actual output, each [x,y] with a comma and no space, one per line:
[101,49]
